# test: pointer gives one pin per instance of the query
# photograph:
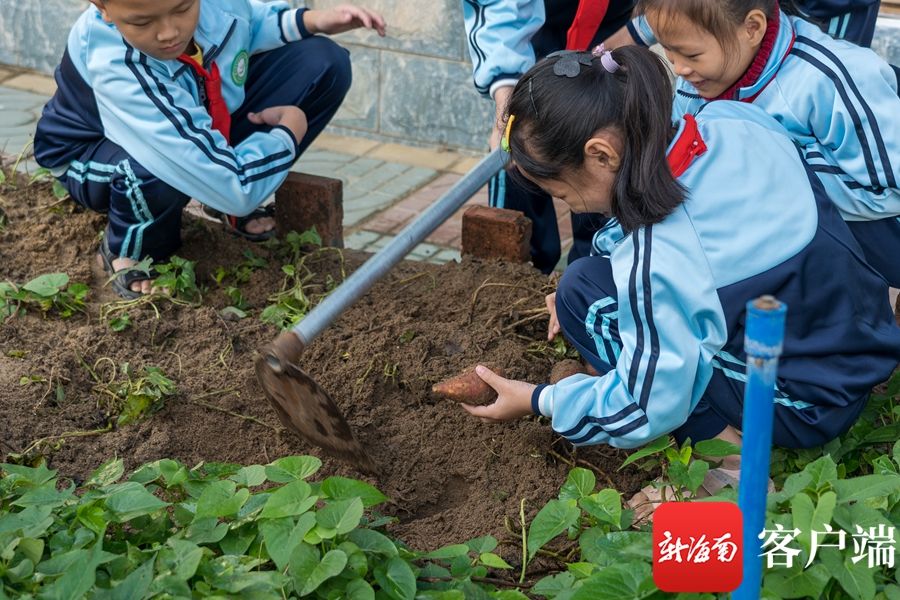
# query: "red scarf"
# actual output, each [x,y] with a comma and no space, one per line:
[215,103]
[584,26]
[686,148]
[752,74]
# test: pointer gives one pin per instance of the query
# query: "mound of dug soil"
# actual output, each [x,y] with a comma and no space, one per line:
[449,476]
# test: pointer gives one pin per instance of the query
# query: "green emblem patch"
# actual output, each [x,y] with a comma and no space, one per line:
[239,67]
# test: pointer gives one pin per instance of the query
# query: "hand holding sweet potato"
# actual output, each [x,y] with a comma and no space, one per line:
[467,387]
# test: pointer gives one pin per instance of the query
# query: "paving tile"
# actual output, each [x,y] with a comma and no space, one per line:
[359,240]
[384,174]
[391,220]
[27,166]
[19,112]
[420,157]
[463,165]
[425,196]
[357,168]
[448,234]
[408,181]
[19,143]
[357,208]
[445,256]
[380,243]
[342,143]
[424,251]
[32,82]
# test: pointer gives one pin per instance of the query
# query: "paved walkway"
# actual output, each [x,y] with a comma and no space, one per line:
[385,185]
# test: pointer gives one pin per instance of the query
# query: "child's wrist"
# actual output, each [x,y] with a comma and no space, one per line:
[310,21]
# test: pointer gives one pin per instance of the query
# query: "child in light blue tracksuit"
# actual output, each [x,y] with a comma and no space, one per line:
[504,38]
[160,101]
[706,215]
[850,20]
[839,102]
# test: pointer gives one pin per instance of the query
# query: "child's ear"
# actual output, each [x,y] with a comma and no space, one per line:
[102,8]
[755,24]
[603,150]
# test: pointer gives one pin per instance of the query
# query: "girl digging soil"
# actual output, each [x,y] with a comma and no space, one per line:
[698,230]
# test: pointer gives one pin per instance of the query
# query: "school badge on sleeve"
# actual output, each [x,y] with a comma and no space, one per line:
[239,67]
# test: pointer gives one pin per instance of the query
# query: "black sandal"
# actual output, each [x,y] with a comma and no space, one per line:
[121,285]
[238,225]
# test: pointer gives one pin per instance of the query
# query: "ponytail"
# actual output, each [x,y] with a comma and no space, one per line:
[646,192]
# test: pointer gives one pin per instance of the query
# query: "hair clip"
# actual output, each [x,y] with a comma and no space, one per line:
[569,63]
[504,141]
[606,58]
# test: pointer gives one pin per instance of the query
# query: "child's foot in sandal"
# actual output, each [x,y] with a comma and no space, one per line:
[127,284]
[258,226]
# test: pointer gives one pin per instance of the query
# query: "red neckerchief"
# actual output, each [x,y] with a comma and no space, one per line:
[686,148]
[756,68]
[215,103]
[588,17]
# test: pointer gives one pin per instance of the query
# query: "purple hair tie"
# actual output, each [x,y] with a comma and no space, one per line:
[606,58]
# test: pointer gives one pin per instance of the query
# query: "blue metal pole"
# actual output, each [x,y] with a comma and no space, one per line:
[763,339]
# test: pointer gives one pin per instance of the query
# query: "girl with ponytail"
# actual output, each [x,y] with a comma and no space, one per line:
[706,214]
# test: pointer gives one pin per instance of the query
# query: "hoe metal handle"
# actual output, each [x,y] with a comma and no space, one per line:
[361,280]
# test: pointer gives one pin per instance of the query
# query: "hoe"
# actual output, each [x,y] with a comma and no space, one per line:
[302,405]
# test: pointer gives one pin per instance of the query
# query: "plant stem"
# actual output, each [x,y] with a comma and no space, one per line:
[524,540]
[196,400]
[66,435]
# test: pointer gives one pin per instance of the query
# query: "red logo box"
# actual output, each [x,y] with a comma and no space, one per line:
[697,547]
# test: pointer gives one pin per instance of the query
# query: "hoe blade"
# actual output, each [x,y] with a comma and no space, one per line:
[306,409]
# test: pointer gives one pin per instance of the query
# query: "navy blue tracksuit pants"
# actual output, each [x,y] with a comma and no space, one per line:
[538,206]
[588,326]
[144,211]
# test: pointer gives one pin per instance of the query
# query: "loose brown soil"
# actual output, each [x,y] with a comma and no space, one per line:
[450,477]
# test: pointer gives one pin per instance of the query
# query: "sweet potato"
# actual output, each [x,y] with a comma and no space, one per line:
[467,387]
[566,368]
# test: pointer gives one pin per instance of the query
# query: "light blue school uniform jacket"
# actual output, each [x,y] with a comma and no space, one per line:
[499,34]
[840,103]
[681,287]
[153,110]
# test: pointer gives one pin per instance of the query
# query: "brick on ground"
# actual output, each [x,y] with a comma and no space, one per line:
[496,233]
[304,201]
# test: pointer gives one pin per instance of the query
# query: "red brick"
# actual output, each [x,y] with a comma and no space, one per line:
[304,201]
[496,233]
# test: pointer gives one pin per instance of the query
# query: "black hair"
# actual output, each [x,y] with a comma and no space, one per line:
[556,115]
[718,17]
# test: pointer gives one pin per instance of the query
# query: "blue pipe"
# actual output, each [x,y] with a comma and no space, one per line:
[763,339]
